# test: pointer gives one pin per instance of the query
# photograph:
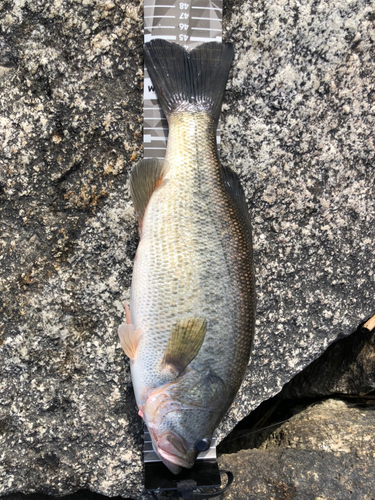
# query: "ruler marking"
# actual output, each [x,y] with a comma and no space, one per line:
[161,17]
[164,27]
[202,39]
[207,19]
[160,6]
[166,37]
[205,29]
[206,8]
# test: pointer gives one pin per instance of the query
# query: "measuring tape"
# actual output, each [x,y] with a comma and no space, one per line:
[189,24]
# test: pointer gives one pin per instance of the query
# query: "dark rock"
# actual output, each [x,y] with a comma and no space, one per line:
[80,495]
[347,367]
[296,474]
[333,426]
[325,451]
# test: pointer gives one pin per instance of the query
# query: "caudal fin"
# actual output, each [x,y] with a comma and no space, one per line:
[193,80]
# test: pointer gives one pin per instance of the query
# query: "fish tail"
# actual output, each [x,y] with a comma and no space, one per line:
[189,81]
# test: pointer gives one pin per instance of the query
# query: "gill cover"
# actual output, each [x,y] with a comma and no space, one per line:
[183,413]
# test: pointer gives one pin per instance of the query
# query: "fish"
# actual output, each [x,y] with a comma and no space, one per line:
[190,326]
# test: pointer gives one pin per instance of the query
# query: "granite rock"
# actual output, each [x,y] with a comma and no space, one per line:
[298,130]
[297,126]
[71,127]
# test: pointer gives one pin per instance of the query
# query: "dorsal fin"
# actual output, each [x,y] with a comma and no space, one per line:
[233,186]
[185,340]
[146,176]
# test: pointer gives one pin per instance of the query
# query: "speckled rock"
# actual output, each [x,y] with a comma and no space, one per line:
[324,452]
[297,126]
[71,127]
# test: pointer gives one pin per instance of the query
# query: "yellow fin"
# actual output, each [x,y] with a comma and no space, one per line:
[185,341]
[129,339]
[146,176]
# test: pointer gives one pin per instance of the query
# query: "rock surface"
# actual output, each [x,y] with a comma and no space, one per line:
[298,127]
[323,452]
[346,367]
[332,426]
[291,474]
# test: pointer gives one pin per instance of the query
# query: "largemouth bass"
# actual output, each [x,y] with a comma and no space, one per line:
[189,330]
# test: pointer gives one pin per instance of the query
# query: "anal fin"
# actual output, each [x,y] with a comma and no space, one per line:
[146,176]
[185,341]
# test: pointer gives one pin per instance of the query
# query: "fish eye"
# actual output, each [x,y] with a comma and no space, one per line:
[203,444]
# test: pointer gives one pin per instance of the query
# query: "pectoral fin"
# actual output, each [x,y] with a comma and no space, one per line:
[129,339]
[146,176]
[185,341]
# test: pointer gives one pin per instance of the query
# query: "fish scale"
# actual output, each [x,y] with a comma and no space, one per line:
[192,293]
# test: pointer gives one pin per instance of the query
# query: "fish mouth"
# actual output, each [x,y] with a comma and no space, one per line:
[174,453]
[175,469]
